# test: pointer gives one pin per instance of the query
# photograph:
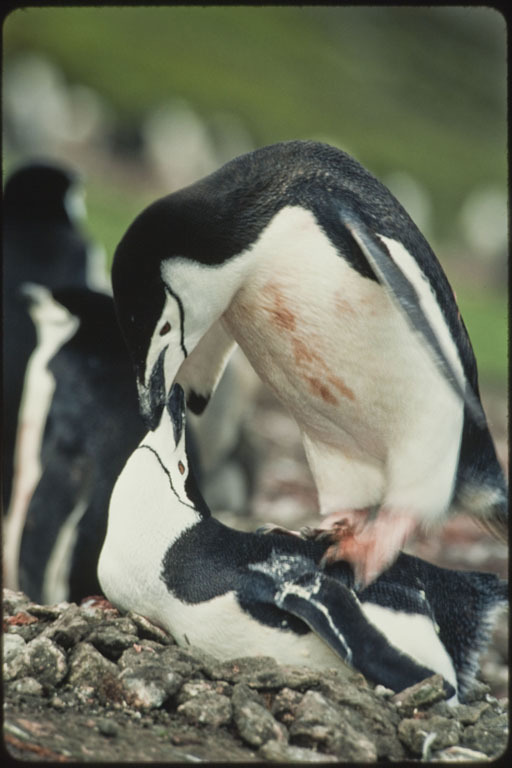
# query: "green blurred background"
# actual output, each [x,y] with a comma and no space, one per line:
[142,100]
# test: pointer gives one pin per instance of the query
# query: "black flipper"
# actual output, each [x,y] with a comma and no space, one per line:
[333,612]
[406,299]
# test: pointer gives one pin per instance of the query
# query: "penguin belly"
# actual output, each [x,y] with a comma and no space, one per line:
[141,529]
[380,424]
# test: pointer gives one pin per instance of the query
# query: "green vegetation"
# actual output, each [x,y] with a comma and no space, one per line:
[421,89]
[402,88]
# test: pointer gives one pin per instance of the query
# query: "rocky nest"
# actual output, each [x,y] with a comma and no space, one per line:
[83,683]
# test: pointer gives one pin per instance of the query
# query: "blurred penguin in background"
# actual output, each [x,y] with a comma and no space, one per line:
[43,205]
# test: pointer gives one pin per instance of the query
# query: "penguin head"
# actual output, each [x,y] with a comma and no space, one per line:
[168,294]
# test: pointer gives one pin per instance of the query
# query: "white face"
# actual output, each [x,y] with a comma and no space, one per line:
[168,441]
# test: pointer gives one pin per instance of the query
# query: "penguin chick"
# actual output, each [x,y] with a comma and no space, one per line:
[303,258]
[235,593]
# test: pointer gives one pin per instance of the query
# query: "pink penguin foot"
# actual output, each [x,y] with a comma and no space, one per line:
[369,542]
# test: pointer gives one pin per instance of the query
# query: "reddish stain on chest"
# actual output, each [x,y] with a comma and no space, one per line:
[310,364]
[281,315]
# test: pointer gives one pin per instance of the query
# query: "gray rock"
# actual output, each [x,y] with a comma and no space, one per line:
[366,712]
[468,714]
[194,688]
[113,638]
[43,660]
[94,676]
[27,686]
[421,695]
[254,671]
[148,631]
[487,735]
[280,752]
[189,661]
[320,723]
[255,724]
[14,602]
[459,754]
[12,645]
[139,653]
[207,708]
[107,727]
[427,733]
[150,685]
[69,628]
[285,704]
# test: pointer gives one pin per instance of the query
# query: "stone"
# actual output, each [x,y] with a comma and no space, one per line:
[111,640]
[148,631]
[94,676]
[468,714]
[150,685]
[207,708]
[254,671]
[285,704]
[13,602]
[107,727]
[12,645]
[255,724]
[46,662]
[487,735]
[320,723]
[280,752]
[69,628]
[434,732]
[189,661]
[423,694]
[27,685]
[460,754]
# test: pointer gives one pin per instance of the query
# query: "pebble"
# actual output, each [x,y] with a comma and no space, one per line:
[91,658]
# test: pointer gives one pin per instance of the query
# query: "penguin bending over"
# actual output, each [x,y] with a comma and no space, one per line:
[307,261]
[235,593]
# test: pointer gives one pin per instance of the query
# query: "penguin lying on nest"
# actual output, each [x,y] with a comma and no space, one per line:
[300,255]
[235,593]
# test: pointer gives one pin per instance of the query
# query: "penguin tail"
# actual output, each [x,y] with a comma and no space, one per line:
[465,605]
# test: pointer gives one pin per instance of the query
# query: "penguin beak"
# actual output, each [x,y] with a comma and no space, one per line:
[176,410]
[152,396]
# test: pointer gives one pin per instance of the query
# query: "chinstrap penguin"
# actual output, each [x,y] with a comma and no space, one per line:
[79,422]
[43,242]
[307,261]
[235,593]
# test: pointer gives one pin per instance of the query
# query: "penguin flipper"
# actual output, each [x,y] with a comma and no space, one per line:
[406,299]
[201,371]
[332,611]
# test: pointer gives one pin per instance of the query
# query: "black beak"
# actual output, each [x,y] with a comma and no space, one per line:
[176,410]
[152,398]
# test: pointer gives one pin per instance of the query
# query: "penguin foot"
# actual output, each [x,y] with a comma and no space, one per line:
[274,528]
[371,547]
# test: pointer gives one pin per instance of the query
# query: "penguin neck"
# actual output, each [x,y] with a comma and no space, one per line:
[183,498]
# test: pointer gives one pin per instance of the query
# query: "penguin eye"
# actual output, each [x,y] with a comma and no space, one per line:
[166,327]
[181,467]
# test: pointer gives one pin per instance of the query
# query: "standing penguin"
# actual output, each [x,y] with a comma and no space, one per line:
[300,255]
[42,243]
[79,422]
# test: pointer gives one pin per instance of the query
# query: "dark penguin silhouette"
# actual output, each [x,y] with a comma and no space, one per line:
[84,433]
[42,243]
[234,593]
[307,261]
